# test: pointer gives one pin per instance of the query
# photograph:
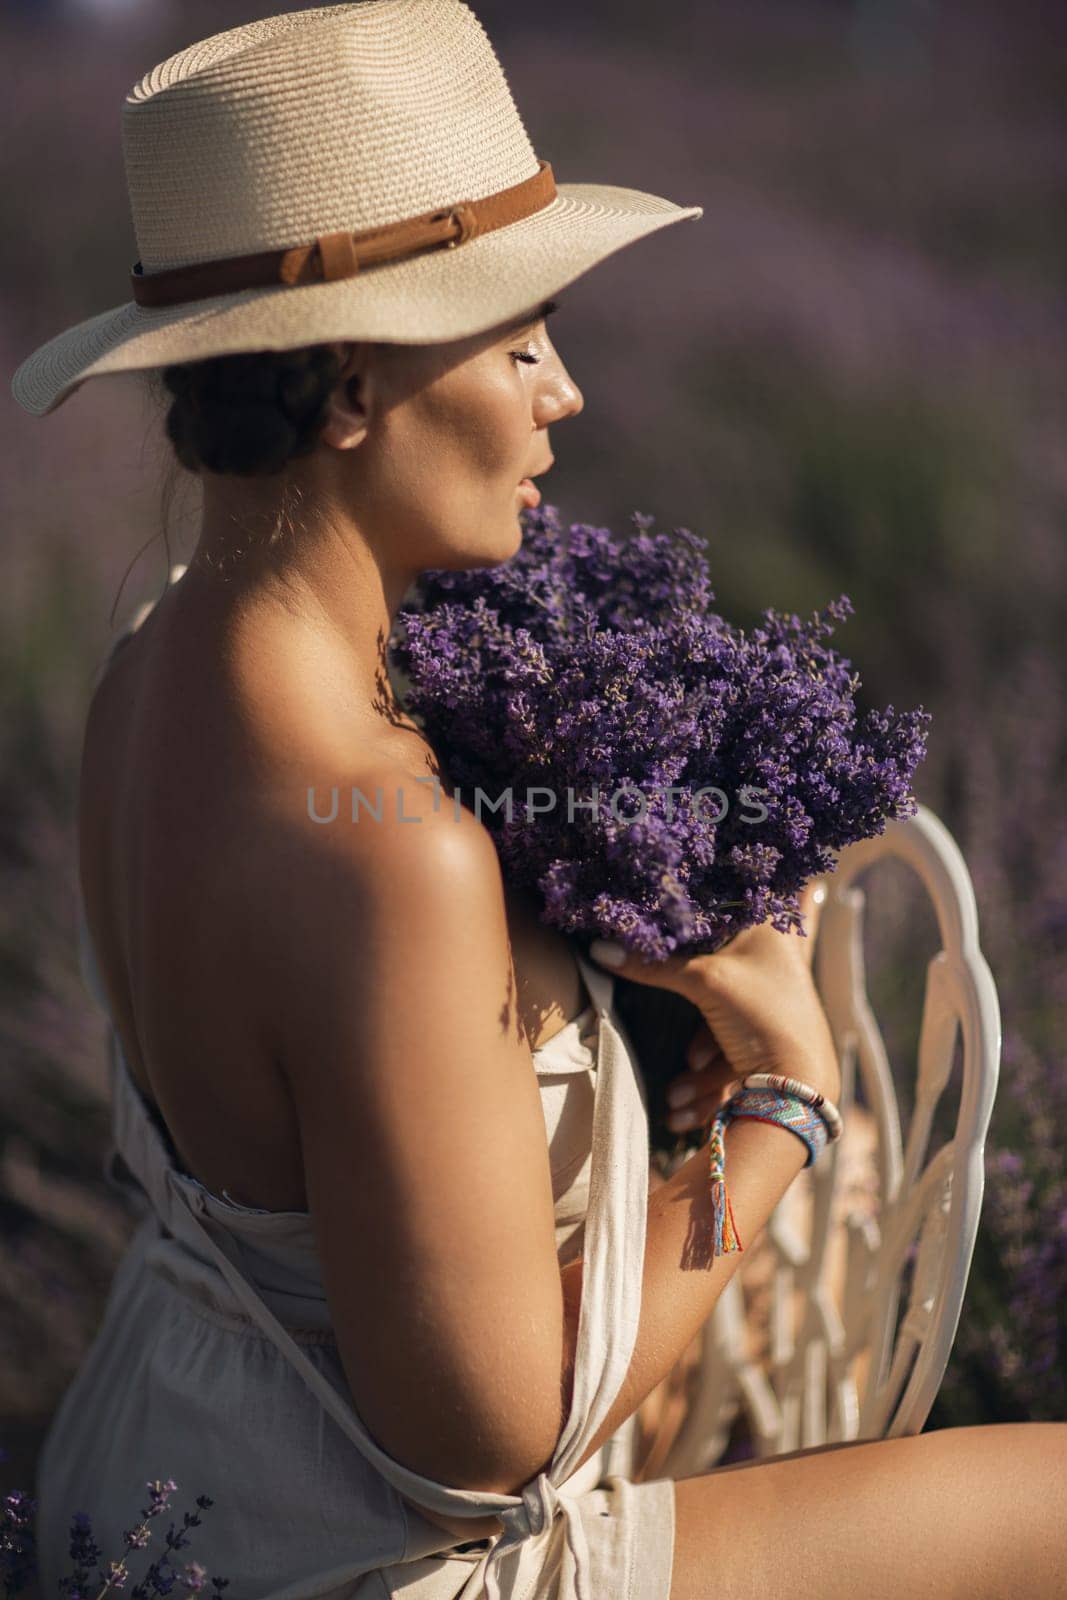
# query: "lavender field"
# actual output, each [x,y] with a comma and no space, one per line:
[849,376]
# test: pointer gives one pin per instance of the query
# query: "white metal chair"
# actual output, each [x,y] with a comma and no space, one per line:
[849,1370]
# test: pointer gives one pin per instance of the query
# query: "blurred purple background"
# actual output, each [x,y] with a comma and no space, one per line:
[848,376]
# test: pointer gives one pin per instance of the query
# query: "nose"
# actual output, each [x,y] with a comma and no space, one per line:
[576,400]
[559,398]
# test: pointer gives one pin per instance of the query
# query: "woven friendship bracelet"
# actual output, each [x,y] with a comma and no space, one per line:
[800,1108]
[775,1080]
[788,1110]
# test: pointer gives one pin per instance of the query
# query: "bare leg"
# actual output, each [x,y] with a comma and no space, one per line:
[959,1514]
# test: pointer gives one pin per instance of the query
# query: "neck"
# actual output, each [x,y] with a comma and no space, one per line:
[281,577]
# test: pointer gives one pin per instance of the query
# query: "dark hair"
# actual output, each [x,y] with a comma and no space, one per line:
[249,413]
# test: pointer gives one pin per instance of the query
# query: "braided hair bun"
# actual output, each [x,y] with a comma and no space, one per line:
[249,413]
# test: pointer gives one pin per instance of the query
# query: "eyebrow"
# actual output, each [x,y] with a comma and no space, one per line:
[524,322]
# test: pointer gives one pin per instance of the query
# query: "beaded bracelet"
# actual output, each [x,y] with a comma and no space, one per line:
[767,1097]
[803,1091]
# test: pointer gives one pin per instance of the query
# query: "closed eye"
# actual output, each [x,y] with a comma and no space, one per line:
[524,355]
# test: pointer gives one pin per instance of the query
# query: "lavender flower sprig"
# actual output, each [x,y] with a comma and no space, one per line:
[18,1552]
[18,1543]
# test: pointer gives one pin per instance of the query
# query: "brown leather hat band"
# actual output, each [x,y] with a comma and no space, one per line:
[342,255]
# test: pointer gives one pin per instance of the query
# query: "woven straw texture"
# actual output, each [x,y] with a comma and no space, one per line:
[341,117]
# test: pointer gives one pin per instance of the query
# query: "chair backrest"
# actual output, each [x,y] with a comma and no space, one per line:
[849,1369]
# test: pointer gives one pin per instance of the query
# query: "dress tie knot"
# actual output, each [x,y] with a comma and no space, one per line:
[538,1507]
[534,1516]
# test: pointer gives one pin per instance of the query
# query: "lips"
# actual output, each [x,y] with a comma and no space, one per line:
[528,489]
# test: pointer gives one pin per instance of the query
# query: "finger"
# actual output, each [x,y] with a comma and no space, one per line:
[703,1049]
[687,1088]
[698,1113]
[689,1117]
[706,1062]
[680,973]
[811,901]
[706,1088]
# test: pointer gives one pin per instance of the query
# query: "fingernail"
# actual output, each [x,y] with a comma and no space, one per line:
[611,955]
[681,1094]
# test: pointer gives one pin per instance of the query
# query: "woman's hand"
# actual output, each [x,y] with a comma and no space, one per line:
[696,1095]
[761,1010]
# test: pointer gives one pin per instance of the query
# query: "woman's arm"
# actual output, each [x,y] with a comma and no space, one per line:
[762,1012]
[427,1171]
[762,1160]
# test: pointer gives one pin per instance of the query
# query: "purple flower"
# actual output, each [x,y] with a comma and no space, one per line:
[18,1553]
[18,1546]
[693,776]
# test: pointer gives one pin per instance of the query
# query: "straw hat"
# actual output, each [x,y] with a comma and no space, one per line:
[349,172]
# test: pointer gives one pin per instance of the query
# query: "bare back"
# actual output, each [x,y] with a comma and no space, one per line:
[180,772]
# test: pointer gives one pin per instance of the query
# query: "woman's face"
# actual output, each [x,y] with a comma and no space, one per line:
[431,441]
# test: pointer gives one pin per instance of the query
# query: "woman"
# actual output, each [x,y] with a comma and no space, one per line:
[395,1333]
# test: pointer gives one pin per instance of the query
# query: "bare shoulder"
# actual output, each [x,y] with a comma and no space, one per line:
[395,810]
[382,884]
[383,834]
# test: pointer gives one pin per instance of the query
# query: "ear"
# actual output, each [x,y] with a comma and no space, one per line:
[348,415]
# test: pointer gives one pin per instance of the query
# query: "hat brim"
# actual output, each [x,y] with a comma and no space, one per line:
[427,299]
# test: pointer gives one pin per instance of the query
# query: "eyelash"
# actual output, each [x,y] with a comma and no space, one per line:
[523,355]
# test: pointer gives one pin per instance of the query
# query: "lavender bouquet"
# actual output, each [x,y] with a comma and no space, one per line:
[655,775]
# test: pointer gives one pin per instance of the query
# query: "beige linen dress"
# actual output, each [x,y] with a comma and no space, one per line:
[216,1365]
